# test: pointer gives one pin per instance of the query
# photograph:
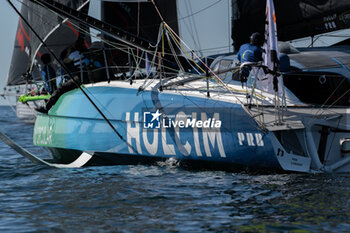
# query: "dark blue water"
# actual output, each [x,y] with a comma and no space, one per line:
[162,198]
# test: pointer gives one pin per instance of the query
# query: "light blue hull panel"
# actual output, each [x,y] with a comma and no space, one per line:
[155,124]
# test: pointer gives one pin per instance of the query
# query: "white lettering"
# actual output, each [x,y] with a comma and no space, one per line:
[214,134]
[168,149]
[191,122]
[181,124]
[195,135]
[241,138]
[259,140]
[151,148]
[250,139]
[206,124]
[184,149]
[133,132]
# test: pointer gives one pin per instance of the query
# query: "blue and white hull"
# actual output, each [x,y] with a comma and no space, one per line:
[153,124]
[187,128]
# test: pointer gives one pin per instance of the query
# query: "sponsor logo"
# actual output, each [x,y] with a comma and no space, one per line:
[151,120]
[154,120]
[196,134]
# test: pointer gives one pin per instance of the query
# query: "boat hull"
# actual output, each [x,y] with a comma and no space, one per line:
[26,112]
[188,128]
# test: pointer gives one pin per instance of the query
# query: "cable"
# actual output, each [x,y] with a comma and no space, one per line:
[72,78]
[260,125]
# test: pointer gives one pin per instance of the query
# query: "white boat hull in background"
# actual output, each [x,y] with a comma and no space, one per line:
[25,112]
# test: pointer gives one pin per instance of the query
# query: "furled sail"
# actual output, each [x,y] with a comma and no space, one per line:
[56,32]
[295,18]
[139,18]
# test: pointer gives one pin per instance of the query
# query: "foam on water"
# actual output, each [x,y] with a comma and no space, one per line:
[161,198]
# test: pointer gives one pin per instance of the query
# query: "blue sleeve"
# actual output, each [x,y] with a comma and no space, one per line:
[43,75]
[239,55]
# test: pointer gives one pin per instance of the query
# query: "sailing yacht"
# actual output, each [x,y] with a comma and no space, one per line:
[156,101]
[25,70]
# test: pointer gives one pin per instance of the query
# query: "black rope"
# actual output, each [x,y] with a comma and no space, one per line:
[71,76]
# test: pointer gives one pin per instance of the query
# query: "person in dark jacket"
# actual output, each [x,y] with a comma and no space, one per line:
[252,52]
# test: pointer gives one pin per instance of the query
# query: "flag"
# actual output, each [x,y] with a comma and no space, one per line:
[271,82]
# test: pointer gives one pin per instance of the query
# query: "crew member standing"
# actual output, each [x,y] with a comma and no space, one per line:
[252,52]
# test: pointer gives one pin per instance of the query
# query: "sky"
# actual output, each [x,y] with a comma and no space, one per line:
[8,27]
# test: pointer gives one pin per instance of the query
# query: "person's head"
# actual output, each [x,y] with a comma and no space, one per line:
[46,58]
[257,39]
[80,44]
[63,54]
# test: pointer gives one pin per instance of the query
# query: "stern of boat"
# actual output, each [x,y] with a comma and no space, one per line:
[313,140]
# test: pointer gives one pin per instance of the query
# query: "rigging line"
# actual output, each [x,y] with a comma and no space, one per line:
[174,53]
[328,107]
[260,125]
[91,34]
[145,85]
[229,24]
[188,16]
[216,101]
[217,78]
[113,43]
[120,48]
[106,109]
[137,64]
[178,44]
[183,49]
[52,30]
[71,77]
[197,12]
[208,49]
[193,39]
[113,31]
[193,21]
[163,137]
[324,104]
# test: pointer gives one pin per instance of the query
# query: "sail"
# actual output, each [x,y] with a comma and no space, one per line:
[138,18]
[57,33]
[296,18]
[21,53]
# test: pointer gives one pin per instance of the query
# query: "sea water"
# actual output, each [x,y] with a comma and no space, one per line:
[160,198]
